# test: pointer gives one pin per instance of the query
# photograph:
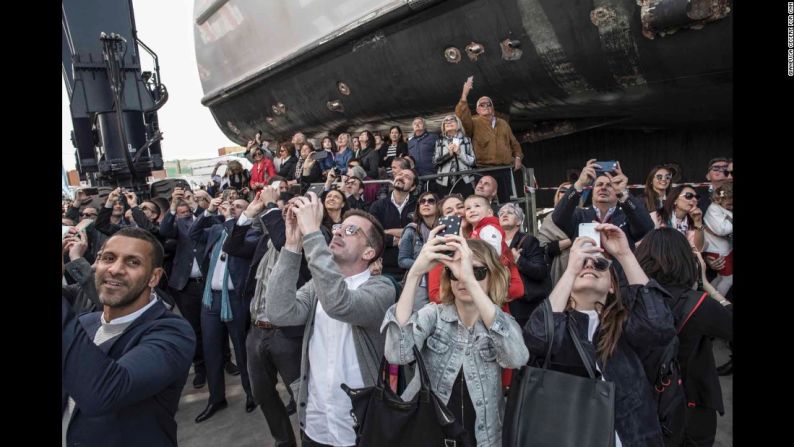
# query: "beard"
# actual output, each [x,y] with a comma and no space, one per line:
[121,297]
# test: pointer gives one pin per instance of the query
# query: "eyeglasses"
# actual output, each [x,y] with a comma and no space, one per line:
[479,273]
[599,263]
[259,154]
[507,213]
[485,104]
[351,230]
[663,177]
[146,208]
[719,168]
[428,201]
[689,195]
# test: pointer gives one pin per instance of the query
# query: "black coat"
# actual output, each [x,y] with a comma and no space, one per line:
[287,168]
[695,355]
[650,325]
[388,216]
[186,250]
[534,272]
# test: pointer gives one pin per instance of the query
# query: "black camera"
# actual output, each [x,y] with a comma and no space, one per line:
[337,171]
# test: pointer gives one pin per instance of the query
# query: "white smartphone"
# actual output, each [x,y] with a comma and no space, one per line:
[588,230]
[276,184]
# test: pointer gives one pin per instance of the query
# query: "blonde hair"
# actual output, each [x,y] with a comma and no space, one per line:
[498,275]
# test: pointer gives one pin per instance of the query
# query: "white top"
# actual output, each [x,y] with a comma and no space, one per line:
[493,237]
[220,266]
[399,206]
[332,361]
[592,325]
[719,238]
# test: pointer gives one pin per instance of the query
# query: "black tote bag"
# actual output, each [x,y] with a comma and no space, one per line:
[382,419]
[548,408]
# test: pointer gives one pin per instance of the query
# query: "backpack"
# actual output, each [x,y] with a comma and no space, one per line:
[664,371]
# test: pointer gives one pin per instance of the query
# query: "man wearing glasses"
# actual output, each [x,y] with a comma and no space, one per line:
[720,171]
[494,142]
[342,307]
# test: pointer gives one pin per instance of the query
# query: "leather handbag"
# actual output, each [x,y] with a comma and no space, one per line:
[382,419]
[547,408]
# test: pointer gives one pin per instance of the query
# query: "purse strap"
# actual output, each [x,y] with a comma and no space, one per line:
[547,315]
[575,337]
[424,378]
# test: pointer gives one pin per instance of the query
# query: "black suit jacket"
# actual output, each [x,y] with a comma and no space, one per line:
[127,389]
[186,250]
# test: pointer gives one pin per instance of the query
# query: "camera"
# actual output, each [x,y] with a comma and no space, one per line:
[337,171]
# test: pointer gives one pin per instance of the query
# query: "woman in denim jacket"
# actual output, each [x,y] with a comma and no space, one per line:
[616,329]
[466,340]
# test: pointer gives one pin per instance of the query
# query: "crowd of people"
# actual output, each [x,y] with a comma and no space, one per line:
[317,287]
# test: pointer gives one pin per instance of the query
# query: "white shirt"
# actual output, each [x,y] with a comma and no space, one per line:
[592,325]
[332,361]
[400,206]
[217,274]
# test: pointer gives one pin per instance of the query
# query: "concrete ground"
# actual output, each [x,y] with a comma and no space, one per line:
[235,428]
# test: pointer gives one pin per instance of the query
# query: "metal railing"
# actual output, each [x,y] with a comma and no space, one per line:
[527,198]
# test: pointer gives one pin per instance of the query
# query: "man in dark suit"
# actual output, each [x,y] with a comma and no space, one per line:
[223,307]
[124,367]
[186,281]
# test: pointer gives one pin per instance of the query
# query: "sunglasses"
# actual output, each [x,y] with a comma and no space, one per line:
[727,173]
[479,273]
[663,177]
[485,104]
[689,195]
[258,154]
[719,168]
[428,201]
[88,215]
[350,230]
[599,263]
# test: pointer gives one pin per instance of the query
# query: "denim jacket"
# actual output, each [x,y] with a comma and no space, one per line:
[447,346]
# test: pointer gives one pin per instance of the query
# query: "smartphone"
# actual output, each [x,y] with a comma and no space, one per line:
[452,225]
[606,166]
[319,155]
[588,230]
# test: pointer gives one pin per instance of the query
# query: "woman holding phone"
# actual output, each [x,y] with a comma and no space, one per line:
[468,320]
[454,153]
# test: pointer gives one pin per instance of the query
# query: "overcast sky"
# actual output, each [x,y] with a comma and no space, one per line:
[188,127]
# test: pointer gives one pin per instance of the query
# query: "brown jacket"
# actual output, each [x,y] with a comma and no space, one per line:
[492,146]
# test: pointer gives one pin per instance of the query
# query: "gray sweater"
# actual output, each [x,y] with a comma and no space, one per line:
[363,308]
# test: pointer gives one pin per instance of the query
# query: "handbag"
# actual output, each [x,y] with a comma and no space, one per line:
[555,409]
[381,418]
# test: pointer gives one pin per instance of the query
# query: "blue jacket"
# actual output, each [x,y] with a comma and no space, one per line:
[422,148]
[342,159]
[127,389]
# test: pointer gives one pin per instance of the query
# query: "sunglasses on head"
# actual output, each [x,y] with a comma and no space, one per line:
[689,195]
[663,177]
[479,273]
[599,263]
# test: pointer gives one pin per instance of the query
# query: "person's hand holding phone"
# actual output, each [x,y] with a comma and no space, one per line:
[214,204]
[132,199]
[587,176]
[113,197]
[467,87]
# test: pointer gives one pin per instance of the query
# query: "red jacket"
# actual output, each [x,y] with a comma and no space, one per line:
[262,171]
